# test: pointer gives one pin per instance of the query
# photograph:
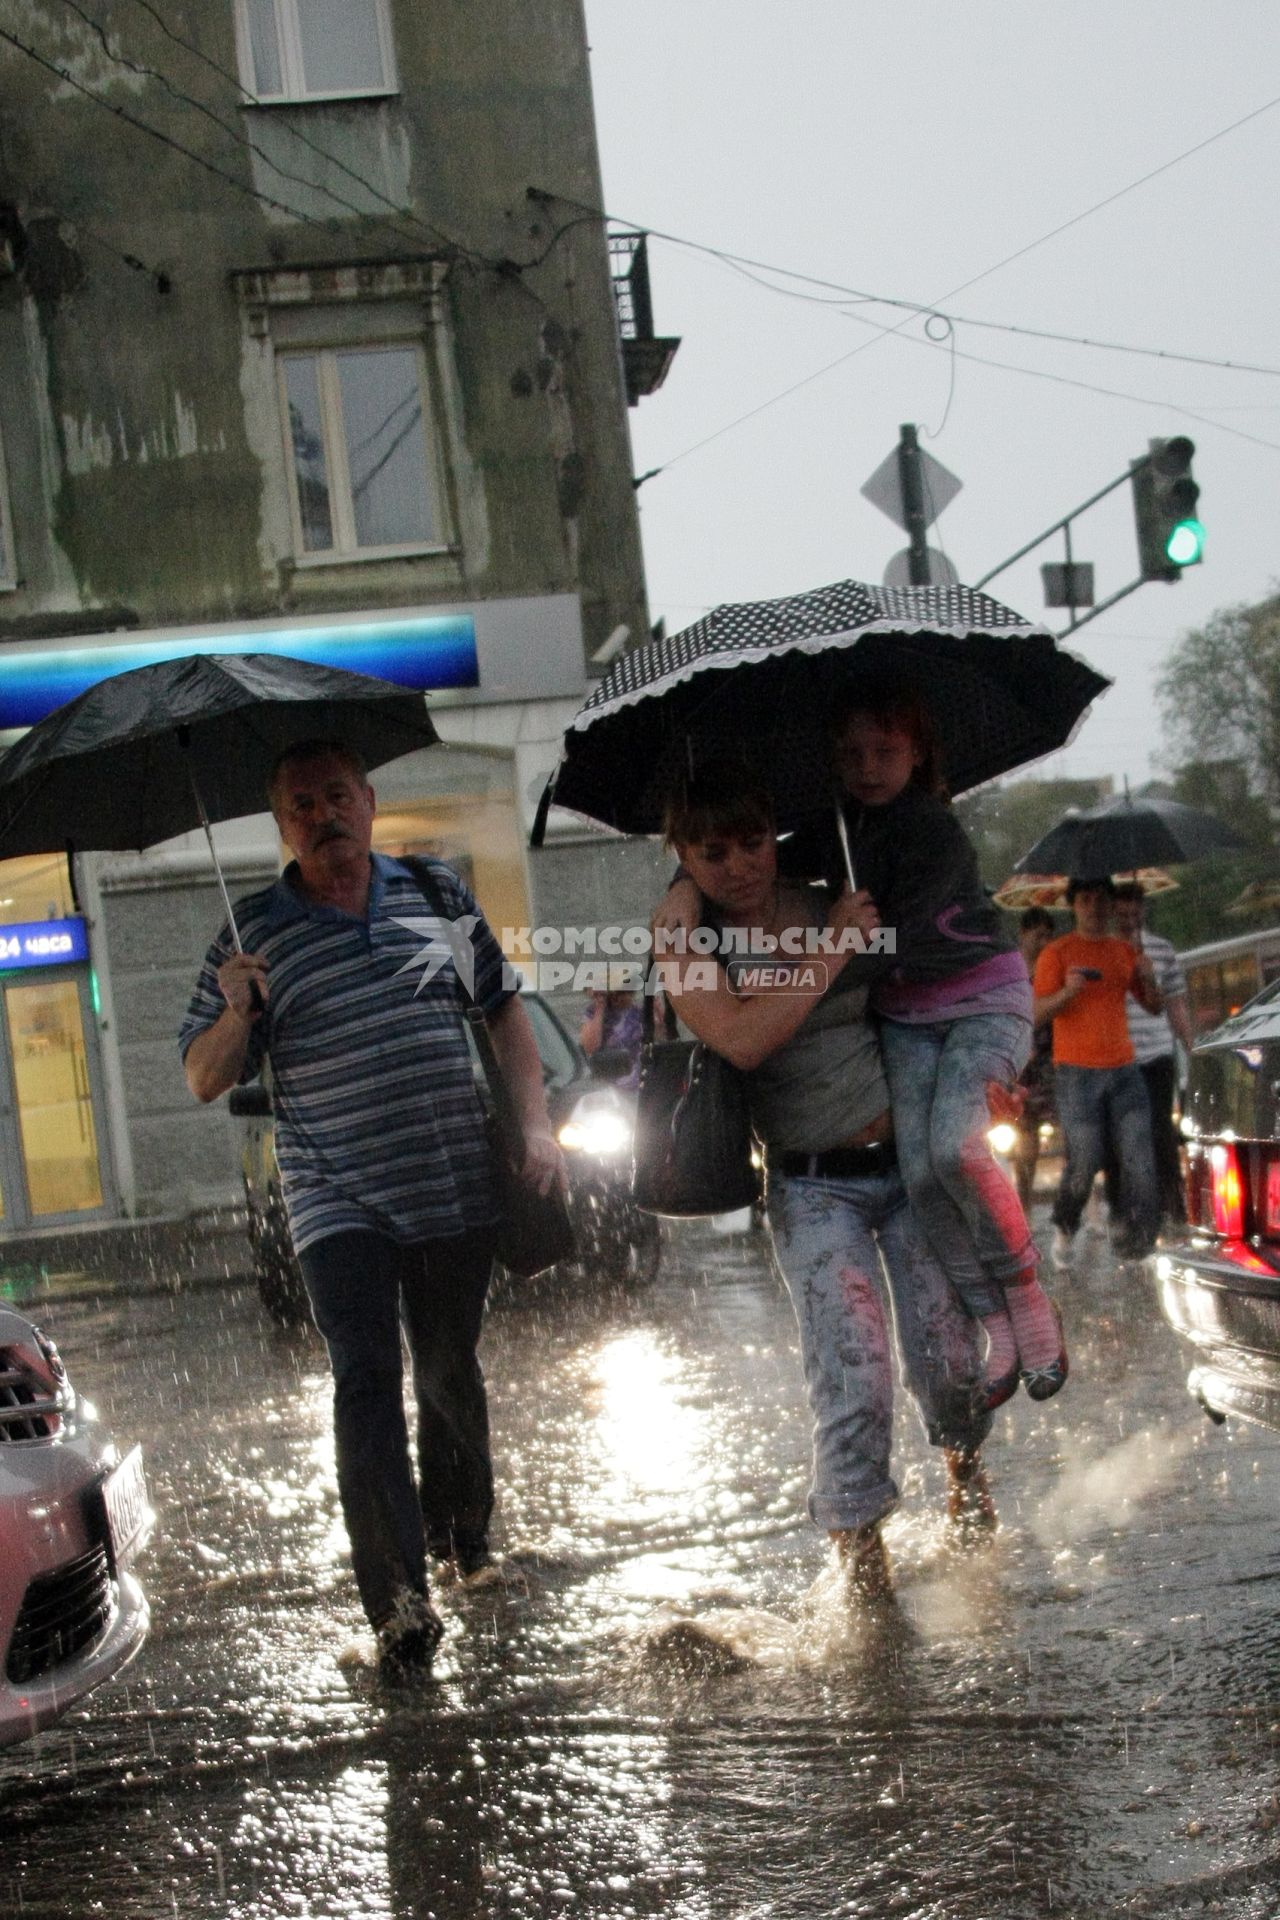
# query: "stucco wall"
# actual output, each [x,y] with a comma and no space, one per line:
[137,408]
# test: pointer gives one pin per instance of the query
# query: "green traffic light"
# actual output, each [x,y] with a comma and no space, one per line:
[1185,545]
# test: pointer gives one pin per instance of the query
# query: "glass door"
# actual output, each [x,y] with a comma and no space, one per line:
[50,1165]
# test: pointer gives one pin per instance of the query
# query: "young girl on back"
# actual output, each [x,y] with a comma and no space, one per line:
[955,1013]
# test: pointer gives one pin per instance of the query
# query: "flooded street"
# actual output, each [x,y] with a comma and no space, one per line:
[1081,1719]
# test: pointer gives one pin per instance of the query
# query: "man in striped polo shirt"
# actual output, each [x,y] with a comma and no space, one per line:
[384,1162]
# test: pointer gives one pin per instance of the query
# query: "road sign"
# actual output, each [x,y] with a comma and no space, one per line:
[884,488]
[941,571]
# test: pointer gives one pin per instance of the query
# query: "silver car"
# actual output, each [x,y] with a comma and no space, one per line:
[73,1517]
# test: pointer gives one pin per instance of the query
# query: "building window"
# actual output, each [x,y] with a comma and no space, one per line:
[8,559]
[315,49]
[361,455]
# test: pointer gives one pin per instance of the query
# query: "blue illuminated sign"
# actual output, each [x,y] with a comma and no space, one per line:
[422,652]
[42,943]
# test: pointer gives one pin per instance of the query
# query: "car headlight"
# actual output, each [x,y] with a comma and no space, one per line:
[1002,1139]
[599,1126]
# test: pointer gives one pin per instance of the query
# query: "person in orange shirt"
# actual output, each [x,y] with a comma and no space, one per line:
[1082,983]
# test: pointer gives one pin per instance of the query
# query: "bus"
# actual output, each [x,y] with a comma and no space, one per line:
[1224,974]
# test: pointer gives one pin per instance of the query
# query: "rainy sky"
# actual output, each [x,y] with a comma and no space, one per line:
[993,163]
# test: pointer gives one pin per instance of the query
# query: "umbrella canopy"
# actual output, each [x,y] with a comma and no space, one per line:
[765,673]
[148,753]
[1023,890]
[169,747]
[1124,833]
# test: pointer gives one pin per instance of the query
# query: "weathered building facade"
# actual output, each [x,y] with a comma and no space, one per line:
[307,341]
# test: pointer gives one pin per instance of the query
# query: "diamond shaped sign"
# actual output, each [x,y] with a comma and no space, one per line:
[884,488]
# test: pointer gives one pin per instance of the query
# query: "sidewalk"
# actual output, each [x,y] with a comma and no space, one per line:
[131,1256]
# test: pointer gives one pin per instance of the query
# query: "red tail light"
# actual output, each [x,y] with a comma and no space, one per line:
[1271,1217]
[1227,1191]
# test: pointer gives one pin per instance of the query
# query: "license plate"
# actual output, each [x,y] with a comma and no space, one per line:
[124,1495]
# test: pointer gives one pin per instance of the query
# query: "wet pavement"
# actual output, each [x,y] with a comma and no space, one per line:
[1081,1720]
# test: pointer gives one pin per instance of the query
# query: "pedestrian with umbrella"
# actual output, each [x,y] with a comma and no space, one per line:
[380,1134]
[1082,984]
[766,678]
[384,1159]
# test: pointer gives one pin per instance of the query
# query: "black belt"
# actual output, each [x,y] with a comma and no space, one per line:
[837,1163]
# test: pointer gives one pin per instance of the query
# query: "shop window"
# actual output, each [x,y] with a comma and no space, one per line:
[35,887]
[314,49]
[363,465]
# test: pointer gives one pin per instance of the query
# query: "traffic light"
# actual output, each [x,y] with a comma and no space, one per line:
[1170,536]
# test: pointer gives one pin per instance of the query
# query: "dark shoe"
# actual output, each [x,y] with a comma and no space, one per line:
[1127,1248]
[408,1637]
[477,1567]
[860,1553]
[971,1511]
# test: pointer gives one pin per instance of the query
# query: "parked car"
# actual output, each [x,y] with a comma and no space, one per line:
[594,1120]
[1220,1282]
[73,1518]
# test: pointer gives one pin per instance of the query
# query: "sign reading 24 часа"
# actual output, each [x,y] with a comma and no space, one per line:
[42,943]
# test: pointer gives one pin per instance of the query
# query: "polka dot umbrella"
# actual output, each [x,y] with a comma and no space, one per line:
[761,677]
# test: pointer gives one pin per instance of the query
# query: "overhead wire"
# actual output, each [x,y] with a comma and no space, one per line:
[915,308]
[167,140]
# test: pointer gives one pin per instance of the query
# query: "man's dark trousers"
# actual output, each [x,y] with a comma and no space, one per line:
[363,1286]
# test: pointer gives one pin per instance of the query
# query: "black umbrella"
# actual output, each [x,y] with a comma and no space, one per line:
[1125,833]
[165,748]
[764,675]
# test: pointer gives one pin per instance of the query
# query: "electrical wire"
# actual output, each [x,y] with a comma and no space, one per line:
[1087,386]
[143,126]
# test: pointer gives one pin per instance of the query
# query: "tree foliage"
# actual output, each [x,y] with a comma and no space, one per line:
[1219,697]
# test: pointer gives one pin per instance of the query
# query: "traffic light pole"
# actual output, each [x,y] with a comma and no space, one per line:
[1063,526]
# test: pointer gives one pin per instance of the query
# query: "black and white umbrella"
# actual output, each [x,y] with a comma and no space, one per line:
[763,675]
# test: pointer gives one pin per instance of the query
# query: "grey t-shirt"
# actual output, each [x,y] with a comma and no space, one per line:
[826,1084]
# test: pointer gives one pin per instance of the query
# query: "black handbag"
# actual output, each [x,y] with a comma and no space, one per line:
[534,1229]
[693,1138]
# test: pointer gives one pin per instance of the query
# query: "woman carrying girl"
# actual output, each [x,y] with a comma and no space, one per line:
[838,1215]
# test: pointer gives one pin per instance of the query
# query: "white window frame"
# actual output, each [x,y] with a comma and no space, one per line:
[345,551]
[8,556]
[293,86]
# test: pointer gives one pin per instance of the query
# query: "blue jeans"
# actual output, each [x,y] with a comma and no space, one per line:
[1097,1107]
[971,1215]
[362,1287]
[833,1240]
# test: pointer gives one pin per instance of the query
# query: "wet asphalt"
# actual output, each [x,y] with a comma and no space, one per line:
[1081,1719]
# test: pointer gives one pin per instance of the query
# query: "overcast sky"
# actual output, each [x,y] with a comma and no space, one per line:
[905,148]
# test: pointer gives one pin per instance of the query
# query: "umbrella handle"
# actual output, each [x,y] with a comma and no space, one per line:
[256,1000]
[842,829]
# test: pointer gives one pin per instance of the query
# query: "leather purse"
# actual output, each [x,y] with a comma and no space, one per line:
[693,1138]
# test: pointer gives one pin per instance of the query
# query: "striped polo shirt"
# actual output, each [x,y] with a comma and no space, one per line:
[378,1121]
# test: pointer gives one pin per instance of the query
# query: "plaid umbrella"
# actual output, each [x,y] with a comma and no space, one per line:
[1024,890]
[763,675]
